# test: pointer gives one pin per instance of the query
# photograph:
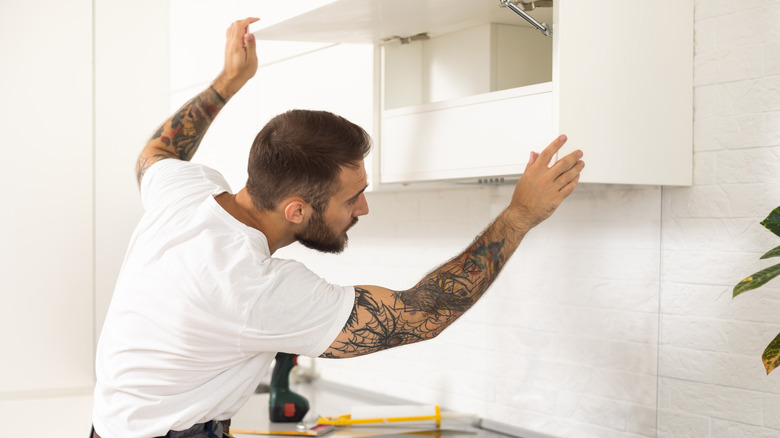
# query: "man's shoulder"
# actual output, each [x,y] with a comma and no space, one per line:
[169,180]
[172,169]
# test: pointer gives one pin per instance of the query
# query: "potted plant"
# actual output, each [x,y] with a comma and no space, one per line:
[771,356]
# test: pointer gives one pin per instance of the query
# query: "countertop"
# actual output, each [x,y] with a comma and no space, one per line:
[328,399]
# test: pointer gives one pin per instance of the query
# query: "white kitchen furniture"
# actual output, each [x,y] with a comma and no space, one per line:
[467,88]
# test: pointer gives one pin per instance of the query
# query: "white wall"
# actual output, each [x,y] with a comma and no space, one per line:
[712,382]
[566,341]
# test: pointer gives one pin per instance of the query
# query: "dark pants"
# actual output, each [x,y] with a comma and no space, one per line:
[211,429]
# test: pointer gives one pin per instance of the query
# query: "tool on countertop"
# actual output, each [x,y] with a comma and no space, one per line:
[386,414]
[284,405]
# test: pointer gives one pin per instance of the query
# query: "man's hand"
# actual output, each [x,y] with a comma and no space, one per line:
[240,59]
[542,188]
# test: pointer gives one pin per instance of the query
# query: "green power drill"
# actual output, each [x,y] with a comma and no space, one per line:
[285,406]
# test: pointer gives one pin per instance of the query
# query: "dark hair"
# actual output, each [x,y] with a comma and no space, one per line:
[300,153]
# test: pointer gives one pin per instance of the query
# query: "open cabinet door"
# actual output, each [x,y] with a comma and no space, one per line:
[623,75]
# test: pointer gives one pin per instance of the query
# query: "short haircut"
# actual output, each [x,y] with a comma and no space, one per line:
[300,153]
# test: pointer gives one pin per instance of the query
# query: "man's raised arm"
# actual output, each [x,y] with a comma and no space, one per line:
[180,135]
[382,318]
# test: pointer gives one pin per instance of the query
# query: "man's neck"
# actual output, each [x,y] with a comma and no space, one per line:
[240,206]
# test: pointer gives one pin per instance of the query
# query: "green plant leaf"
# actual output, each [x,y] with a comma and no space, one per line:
[773,253]
[772,222]
[771,356]
[757,280]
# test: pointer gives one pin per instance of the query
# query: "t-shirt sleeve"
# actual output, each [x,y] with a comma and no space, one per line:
[169,180]
[298,312]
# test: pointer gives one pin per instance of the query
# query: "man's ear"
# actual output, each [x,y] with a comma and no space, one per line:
[295,210]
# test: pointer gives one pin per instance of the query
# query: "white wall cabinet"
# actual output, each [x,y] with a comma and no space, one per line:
[472,101]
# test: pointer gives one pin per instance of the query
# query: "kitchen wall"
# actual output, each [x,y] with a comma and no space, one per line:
[622,285]
[565,342]
[711,379]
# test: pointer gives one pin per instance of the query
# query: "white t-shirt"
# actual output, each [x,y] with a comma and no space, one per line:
[199,311]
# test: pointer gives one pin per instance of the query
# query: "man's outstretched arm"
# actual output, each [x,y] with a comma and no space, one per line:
[180,136]
[382,318]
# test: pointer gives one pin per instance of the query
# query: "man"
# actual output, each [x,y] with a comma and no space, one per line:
[201,307]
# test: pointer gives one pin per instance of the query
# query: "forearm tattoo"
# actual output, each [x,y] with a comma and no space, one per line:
[180,135]
[425,310]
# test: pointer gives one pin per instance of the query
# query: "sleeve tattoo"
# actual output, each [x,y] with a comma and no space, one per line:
[423,311]
[180,136]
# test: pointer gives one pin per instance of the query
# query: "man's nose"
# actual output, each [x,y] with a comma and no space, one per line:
[361,209]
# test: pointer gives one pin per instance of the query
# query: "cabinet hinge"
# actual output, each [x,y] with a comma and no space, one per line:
[520,7]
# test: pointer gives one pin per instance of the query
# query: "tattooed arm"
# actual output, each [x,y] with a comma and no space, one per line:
[382,318]
[180,136]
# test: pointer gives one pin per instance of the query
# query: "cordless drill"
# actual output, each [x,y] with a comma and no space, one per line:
[285,406]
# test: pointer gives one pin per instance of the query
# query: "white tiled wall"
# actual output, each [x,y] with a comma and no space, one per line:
[711,380]
[565,342]
[615,317]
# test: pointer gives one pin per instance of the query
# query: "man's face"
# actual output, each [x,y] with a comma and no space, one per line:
[327,232]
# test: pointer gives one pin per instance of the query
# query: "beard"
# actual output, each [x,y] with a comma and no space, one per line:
[320,237]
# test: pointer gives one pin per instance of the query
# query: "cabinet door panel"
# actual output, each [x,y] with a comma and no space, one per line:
[46,252]
[623,79]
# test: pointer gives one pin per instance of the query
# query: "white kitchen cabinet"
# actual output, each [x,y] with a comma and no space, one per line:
[46,258]
[485,89]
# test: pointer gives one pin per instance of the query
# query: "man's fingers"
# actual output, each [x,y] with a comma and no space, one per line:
[566,163]
[250,44]
[531,160]
[547,154]
[239,28]
[569,188]
[572,174]
[245,24]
